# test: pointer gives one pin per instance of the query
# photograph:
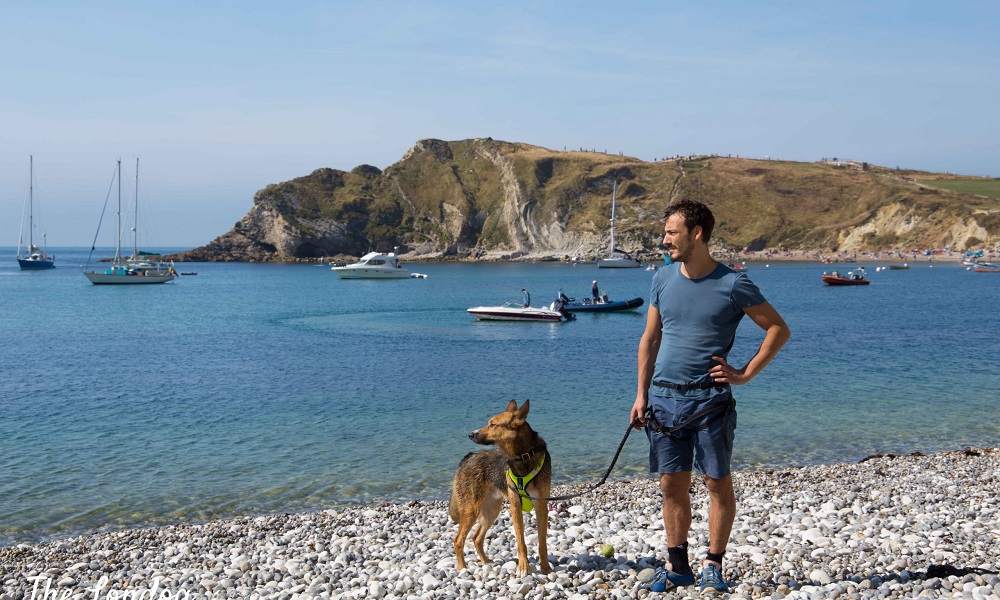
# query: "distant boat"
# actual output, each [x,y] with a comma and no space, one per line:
[855,277]
[515,312]
[141,267]
[617,259]
[986,267]
[36,258]
[602,305]
[902,267]
[737,267]
[375,265]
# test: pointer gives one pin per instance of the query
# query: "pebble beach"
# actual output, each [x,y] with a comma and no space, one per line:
[887,527]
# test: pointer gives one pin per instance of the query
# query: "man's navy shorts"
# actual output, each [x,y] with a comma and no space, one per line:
[710,449]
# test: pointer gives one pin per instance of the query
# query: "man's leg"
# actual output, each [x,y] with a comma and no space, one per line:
[672,458]
[721,512]
[676,489]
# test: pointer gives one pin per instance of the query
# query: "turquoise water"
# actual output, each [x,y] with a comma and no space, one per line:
[252,388]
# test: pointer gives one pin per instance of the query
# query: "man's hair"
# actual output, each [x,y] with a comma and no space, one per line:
[695,214]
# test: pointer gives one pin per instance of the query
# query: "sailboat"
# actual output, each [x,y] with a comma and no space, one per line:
[36,258]
[617,259]
[140,267]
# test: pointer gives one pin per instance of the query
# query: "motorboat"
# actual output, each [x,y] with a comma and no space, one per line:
[902,267]
[617,258]
[510,311]
[986,267]
[602,304]
[855,277]
[375,265]
[737,267]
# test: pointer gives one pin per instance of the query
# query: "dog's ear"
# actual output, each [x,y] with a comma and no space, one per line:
[512,406]
[523,411]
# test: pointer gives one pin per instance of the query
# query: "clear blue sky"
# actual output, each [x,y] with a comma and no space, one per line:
[221,99]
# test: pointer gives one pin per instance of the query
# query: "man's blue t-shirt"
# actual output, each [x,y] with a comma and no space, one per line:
[699,319]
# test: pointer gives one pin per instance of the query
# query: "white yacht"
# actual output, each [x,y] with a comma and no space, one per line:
[375,265]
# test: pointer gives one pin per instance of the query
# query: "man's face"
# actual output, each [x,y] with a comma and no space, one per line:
[677,240]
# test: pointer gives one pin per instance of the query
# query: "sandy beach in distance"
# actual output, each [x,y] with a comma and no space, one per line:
[848,257]
[888,527]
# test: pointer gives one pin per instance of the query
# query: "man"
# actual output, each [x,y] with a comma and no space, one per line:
[695,307]
[595,294]
[525,298]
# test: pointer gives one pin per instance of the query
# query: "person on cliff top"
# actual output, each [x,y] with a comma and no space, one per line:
[685,399]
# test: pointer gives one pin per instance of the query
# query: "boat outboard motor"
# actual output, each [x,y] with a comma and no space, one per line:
[558,307]
[566,314]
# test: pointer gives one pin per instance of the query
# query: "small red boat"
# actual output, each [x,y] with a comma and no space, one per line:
[855,277]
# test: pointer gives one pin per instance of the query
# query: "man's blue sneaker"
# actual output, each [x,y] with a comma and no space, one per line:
[665,579]
[711,580]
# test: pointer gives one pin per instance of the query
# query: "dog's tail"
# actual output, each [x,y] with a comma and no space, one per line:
[454,501]
[453,506]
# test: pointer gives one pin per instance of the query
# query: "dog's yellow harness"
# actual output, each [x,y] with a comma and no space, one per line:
[521,483]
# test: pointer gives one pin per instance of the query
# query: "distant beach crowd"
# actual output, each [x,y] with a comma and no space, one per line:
[938,255]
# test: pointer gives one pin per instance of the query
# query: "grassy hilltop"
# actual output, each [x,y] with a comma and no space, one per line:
[497,199]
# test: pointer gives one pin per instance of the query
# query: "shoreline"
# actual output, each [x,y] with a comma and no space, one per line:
[888,526]
[763,256]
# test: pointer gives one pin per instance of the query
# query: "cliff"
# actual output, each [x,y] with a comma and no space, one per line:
[494,199]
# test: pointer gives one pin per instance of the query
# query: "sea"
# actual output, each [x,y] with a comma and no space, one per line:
[250,389]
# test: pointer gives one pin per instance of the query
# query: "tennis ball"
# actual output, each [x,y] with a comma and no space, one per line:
[607,551]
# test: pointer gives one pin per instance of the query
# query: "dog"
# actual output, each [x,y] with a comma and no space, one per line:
[483,479]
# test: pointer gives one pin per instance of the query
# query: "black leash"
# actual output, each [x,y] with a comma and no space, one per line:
[607,473]
[655,426]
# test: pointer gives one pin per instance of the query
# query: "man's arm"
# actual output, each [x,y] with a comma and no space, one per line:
[649,346]
[775,336]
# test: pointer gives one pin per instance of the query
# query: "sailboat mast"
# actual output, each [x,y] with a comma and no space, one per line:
[135,225]
[31,203]
[118,244]
[614,196]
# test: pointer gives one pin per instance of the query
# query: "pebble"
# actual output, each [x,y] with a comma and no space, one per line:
[887,527]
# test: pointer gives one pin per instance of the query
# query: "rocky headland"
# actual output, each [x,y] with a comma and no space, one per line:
[486,199]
